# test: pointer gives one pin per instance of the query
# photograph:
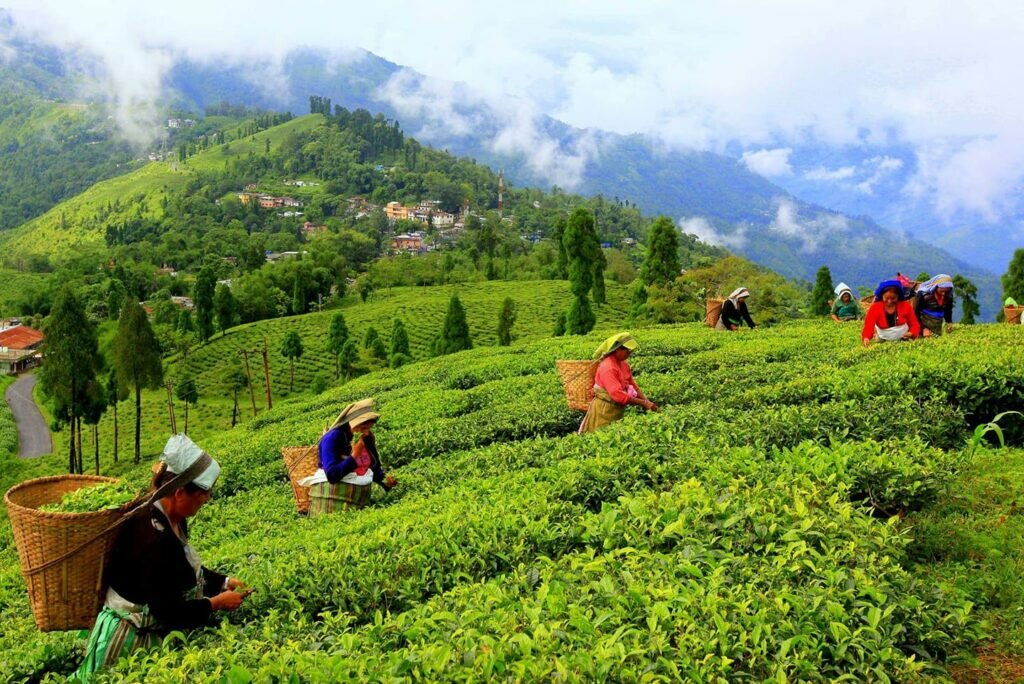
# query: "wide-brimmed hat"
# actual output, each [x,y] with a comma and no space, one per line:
[352,412]
[180,452]
[365,418]
[622,339]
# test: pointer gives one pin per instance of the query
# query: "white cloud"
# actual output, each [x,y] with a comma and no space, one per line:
[705,232]
[823,174]
[882,168]
[812,233]
[769,163]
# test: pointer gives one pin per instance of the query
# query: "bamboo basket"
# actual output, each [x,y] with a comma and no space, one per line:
[713,311]
[68,593]
[1012,314]
[301,462]
[866,302]
[578,381]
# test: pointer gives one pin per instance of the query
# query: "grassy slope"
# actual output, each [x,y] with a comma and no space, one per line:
[141,188]
[13,284]
[8,430]
[479,411]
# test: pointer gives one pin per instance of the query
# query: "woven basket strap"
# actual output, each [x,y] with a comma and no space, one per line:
[190,473]
[290,465]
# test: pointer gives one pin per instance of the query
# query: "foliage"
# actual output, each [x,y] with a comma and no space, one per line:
[291,349]
[454,335]
[581,248]
[968,294]
[337,335]
[225,308]
[136,358]
[506,319]
[822,292]
[1013,279]
[661,263]
[202,296]
[99,497]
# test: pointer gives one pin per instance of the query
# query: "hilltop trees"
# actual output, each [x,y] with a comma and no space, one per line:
[1013,279]
[455,332]
[69,370]
[136,358]
[337,336]
[822,292]
[968,293]
[187,392]
[291,349]
[225,308]
[506,319]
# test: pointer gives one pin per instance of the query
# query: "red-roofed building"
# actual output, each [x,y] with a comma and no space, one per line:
[19,348]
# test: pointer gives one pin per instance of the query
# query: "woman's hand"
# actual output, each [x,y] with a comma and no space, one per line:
[390,482]
[227,600]
[949,328]
[235,584]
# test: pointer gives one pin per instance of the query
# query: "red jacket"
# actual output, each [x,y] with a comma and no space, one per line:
[616,378]
[876,316]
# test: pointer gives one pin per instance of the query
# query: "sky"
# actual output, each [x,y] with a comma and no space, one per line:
[938,77]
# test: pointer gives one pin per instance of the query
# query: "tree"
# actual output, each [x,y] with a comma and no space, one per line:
[337,336]
[968,294]
[136,358]
[115,393]
[70,361]
[600,262]
[822,292]
[661,265]
[506,319]
[559,325]
[185,323]
[400,354]
[1013,279]
[558,235]
[236,381]
[348,358]
[298,296]
[187,392]
[374,344]
[638,302]
[455,331]
[202,295]
[581,246]
[95,407]
[225,308]
[291,349]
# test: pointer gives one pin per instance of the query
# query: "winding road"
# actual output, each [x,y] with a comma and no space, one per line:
[33,432]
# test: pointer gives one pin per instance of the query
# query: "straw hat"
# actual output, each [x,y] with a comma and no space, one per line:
[353,412]
[365,418]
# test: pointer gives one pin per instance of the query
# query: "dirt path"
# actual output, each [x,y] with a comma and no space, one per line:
[33,432]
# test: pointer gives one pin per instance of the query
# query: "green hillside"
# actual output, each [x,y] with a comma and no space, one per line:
[752,530]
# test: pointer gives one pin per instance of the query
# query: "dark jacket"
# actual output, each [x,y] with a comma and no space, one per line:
[733,315]
[925,303]
[149,568]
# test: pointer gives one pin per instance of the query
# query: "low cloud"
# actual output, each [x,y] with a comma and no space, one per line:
[883,168]
[769,163]
[705,232]
[812,233]
[447,111]
[830,175]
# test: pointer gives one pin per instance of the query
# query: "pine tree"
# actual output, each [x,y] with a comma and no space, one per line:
[559,329]
[599,265]
[822,292]
[298,296]
[202,295]
[400,354]
[558,235]
[70,362]
[348,358]
[455,332]
[581,247]
[1013,279]
[185,322]
[136,358]
[291,349]
[638,302]
[506,319]
[225,308]
[115,393]
[968,293]
[661,265]
[337,336]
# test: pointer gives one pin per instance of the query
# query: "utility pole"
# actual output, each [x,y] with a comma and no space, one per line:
[266,373]
[248,379]
[170,407]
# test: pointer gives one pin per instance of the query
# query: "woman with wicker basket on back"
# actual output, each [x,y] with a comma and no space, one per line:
[735,312]
[156,580]
[933,305]
[349,463]
[890,317]
[614,386]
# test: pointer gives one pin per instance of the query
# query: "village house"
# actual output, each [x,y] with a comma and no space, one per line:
[407,242]
[310,229]
[442,219]
[396,212]
[183,303]
[279,256]
[19,349]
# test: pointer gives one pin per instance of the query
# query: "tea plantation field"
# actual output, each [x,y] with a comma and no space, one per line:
[782,519]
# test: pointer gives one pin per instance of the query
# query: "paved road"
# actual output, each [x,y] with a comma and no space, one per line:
[33,432]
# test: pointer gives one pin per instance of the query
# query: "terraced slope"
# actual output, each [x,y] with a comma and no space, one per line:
[750,531]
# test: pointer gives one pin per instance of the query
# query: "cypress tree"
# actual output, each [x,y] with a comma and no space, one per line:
[69,368]
[337,336]
[455,332]
[399,338]
[136,358]
[581,247]
[291,349]
[225,308]
[822,292]
[661,265]
[202,295]
[347,358]
[968,293]
[506,319]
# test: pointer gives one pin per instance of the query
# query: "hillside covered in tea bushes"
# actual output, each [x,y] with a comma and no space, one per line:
[758,528]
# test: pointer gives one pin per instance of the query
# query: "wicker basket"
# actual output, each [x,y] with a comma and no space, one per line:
[578,382]
[1012,314]
[301,462]
[866,302]
[67,594]
[713,311]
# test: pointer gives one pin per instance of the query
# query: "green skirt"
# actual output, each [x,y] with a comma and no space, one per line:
[932,323]
[328,498]
[602,411]
[112,637]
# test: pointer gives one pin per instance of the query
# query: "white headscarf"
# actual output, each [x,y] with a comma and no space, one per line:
[737,294]
[939,282]
[841,288]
